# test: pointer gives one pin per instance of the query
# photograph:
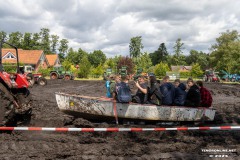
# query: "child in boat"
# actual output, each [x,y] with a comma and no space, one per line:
[141,94]
[193,96]
[154,94]
[168,90]
[180,93]
[123,91]
[206,97]
[114,84]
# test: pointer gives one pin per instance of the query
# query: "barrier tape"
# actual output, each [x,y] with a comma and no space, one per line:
[116,129]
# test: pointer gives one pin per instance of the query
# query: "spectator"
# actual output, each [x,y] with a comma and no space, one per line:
[206,97]
[107,85]
[180,93]
[123,91]
[193,96]
[141,94]
[168,90]
[114,84]
[154,94]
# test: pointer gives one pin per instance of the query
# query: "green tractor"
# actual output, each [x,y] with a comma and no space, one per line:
[107,73]
[60,73]
[123,71]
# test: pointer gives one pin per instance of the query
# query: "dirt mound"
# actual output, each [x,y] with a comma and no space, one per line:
[117,145]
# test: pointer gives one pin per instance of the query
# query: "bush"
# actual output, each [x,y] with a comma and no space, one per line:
[184,74]
[45,72]
[161,69]
[196,71]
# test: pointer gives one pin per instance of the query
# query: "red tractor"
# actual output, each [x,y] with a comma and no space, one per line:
[15,99]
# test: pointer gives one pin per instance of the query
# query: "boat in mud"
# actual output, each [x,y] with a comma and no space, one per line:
[102,108]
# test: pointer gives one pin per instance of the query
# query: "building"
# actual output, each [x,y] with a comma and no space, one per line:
[34,58]
[53,60]
[181,68]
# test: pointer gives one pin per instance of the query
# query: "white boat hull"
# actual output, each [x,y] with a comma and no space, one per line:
[103,108]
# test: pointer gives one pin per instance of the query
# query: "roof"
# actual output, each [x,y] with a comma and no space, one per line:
[179,68]
[25,56]
[52,58]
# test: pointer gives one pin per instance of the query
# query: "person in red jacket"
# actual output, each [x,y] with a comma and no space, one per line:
[206,97]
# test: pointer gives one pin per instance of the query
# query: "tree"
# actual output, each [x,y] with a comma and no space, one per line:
[84,68]
[225,53]
[45,41]
[161,69]
[196,71]
[144,62]
[66,65]
[15,38]
[35,44]
[98,71]
[178,57]
[135,47]
[75,57]
[27,41]
[198,57]
[54,43]
[128,62]
[159,55]
[63,48]
[96,58]
[3,35]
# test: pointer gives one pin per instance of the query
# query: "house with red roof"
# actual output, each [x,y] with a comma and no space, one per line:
[53,60]
[35,58]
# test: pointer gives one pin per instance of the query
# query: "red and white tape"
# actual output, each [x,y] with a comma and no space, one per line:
[116,129]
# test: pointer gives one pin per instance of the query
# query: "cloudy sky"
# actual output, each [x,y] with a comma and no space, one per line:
[109,25]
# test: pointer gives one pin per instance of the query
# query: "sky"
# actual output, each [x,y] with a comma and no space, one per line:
[108,25]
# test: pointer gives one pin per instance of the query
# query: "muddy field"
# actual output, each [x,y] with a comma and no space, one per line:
[119,145]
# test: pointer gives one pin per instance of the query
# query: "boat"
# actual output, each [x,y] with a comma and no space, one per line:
[102,108]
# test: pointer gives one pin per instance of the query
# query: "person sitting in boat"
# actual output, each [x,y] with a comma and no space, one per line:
[193,96]
[141,94]
[180,93]
[154,94]
[168,90]
[107,85]
[123,91]
[206,97]
[114,84]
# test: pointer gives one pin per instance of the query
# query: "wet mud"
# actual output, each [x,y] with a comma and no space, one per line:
[119,145]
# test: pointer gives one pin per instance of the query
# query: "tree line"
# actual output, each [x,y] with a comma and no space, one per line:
[224,54]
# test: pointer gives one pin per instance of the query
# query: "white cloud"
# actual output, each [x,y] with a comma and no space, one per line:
[108,25]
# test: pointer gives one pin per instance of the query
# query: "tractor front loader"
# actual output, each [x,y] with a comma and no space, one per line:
[15,99]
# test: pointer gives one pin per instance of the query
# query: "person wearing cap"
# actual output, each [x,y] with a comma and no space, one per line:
[206,97]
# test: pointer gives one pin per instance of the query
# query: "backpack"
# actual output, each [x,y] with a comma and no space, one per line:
[124,93]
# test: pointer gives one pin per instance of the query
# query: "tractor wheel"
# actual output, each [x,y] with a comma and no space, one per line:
[42,81]
[67,77]
[24,101]
[7,108]
[54,75]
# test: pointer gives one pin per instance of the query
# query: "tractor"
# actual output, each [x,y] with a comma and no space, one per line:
[107,73]
[211,76]
[15,98]
[123,71]
[59,73]
[33,78]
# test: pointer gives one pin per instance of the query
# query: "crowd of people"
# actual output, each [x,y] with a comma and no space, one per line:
[151,91]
